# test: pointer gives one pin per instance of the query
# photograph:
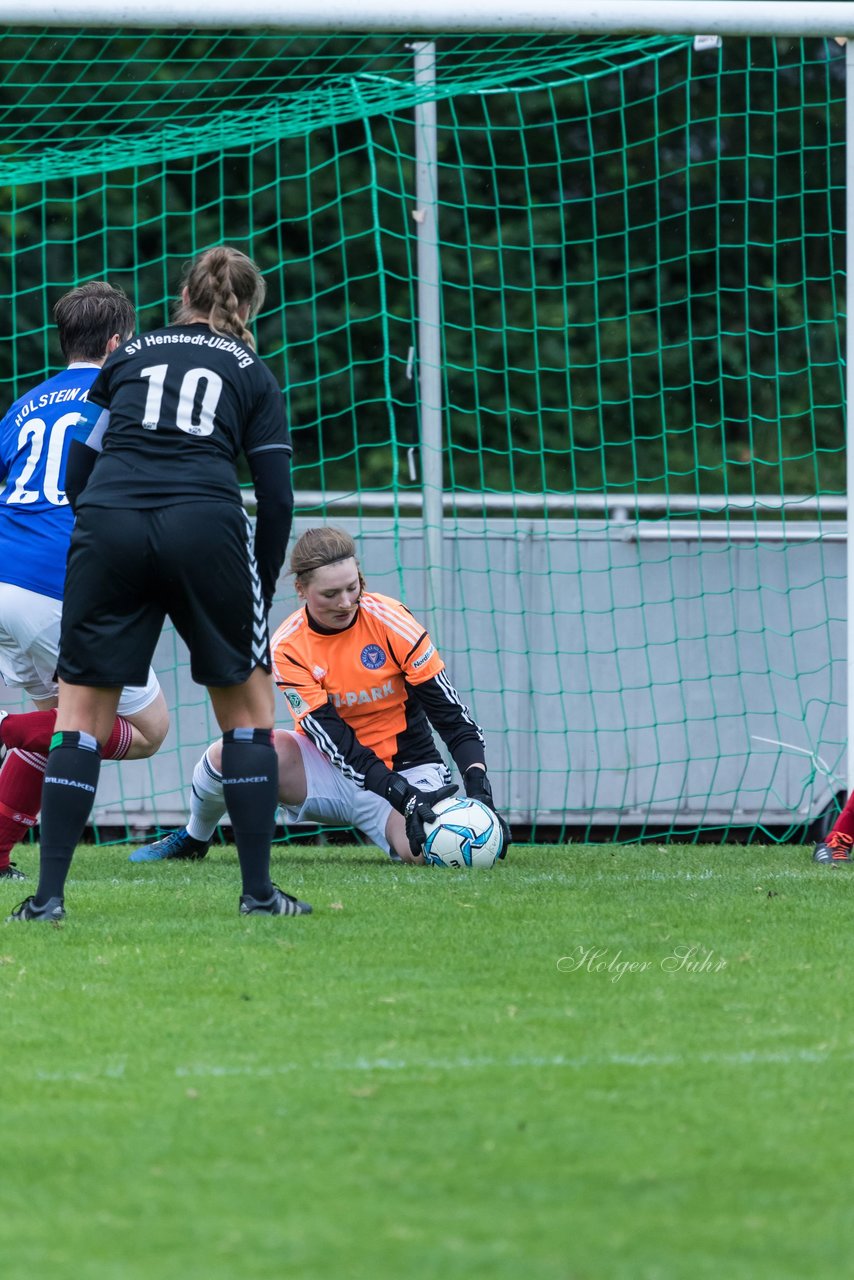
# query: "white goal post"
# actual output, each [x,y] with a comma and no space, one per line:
[640,17]
[725,18]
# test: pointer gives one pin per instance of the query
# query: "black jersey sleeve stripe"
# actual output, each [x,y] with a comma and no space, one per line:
[390,646]
[326,744]
[269,448]
[414,647]
[296,662]
[453,697]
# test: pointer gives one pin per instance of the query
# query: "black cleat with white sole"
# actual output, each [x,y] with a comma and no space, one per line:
[280,904]
[51,913]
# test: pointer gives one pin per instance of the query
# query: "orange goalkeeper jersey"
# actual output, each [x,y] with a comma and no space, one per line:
[383,679]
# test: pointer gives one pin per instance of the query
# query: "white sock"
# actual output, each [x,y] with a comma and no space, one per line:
[207,805]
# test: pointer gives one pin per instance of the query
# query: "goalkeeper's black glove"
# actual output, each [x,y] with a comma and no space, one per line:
[478,787]
[416,807]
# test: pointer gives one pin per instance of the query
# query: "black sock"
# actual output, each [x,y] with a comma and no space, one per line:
[70,780]
[250,784]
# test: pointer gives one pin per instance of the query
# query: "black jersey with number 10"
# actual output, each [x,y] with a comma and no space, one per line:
[184,402]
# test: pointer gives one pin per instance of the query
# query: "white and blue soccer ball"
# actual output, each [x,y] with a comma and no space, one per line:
[465,834]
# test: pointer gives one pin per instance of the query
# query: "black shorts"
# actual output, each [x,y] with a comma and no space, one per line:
[129,570]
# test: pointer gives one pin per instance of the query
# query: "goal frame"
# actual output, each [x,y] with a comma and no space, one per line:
[722,18]
[638,17]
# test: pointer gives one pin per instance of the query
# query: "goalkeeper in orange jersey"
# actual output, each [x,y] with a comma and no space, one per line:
[366,687]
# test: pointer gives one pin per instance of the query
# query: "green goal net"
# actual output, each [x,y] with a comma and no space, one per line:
[633,555]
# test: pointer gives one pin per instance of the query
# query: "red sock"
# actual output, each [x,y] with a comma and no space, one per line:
[33,730]
[118,744]
[845,821]
[29,730]
[21,781]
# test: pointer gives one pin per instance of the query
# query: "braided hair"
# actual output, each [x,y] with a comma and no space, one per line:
[218,283]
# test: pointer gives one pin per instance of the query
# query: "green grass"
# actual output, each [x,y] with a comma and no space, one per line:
[420,1081]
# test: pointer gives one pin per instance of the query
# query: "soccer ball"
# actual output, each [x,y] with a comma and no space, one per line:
[465,834]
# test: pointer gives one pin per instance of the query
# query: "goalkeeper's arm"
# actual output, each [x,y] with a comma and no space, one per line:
[334,737]
[453,721]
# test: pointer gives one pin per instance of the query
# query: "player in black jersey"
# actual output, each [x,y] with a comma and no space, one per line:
[161,531]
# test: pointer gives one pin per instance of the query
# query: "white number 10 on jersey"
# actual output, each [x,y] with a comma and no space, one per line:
[193,415]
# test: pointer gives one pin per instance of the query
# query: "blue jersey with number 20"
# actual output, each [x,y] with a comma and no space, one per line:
[35,518]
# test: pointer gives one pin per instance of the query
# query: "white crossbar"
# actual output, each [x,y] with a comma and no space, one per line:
[641,17]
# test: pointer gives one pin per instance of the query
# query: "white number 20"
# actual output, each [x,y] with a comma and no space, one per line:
[198,423]
[33,432]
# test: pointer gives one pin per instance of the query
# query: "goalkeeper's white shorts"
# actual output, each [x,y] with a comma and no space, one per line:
[335,801]
[29,646]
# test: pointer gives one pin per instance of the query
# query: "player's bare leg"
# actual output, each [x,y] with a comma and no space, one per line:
[86,709]
[251,705]
[150,727]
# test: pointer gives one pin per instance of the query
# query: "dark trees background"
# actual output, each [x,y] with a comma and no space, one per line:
[643,272]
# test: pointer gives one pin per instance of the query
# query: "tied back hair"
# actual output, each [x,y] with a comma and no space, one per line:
[318,547]
[219,282]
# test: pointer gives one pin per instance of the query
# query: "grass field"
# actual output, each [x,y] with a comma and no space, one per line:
[592,1062]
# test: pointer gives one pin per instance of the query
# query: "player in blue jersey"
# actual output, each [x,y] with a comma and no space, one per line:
[36,521]
[161,531]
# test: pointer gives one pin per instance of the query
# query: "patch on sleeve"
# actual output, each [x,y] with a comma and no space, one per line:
[296,702]
[425,657]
